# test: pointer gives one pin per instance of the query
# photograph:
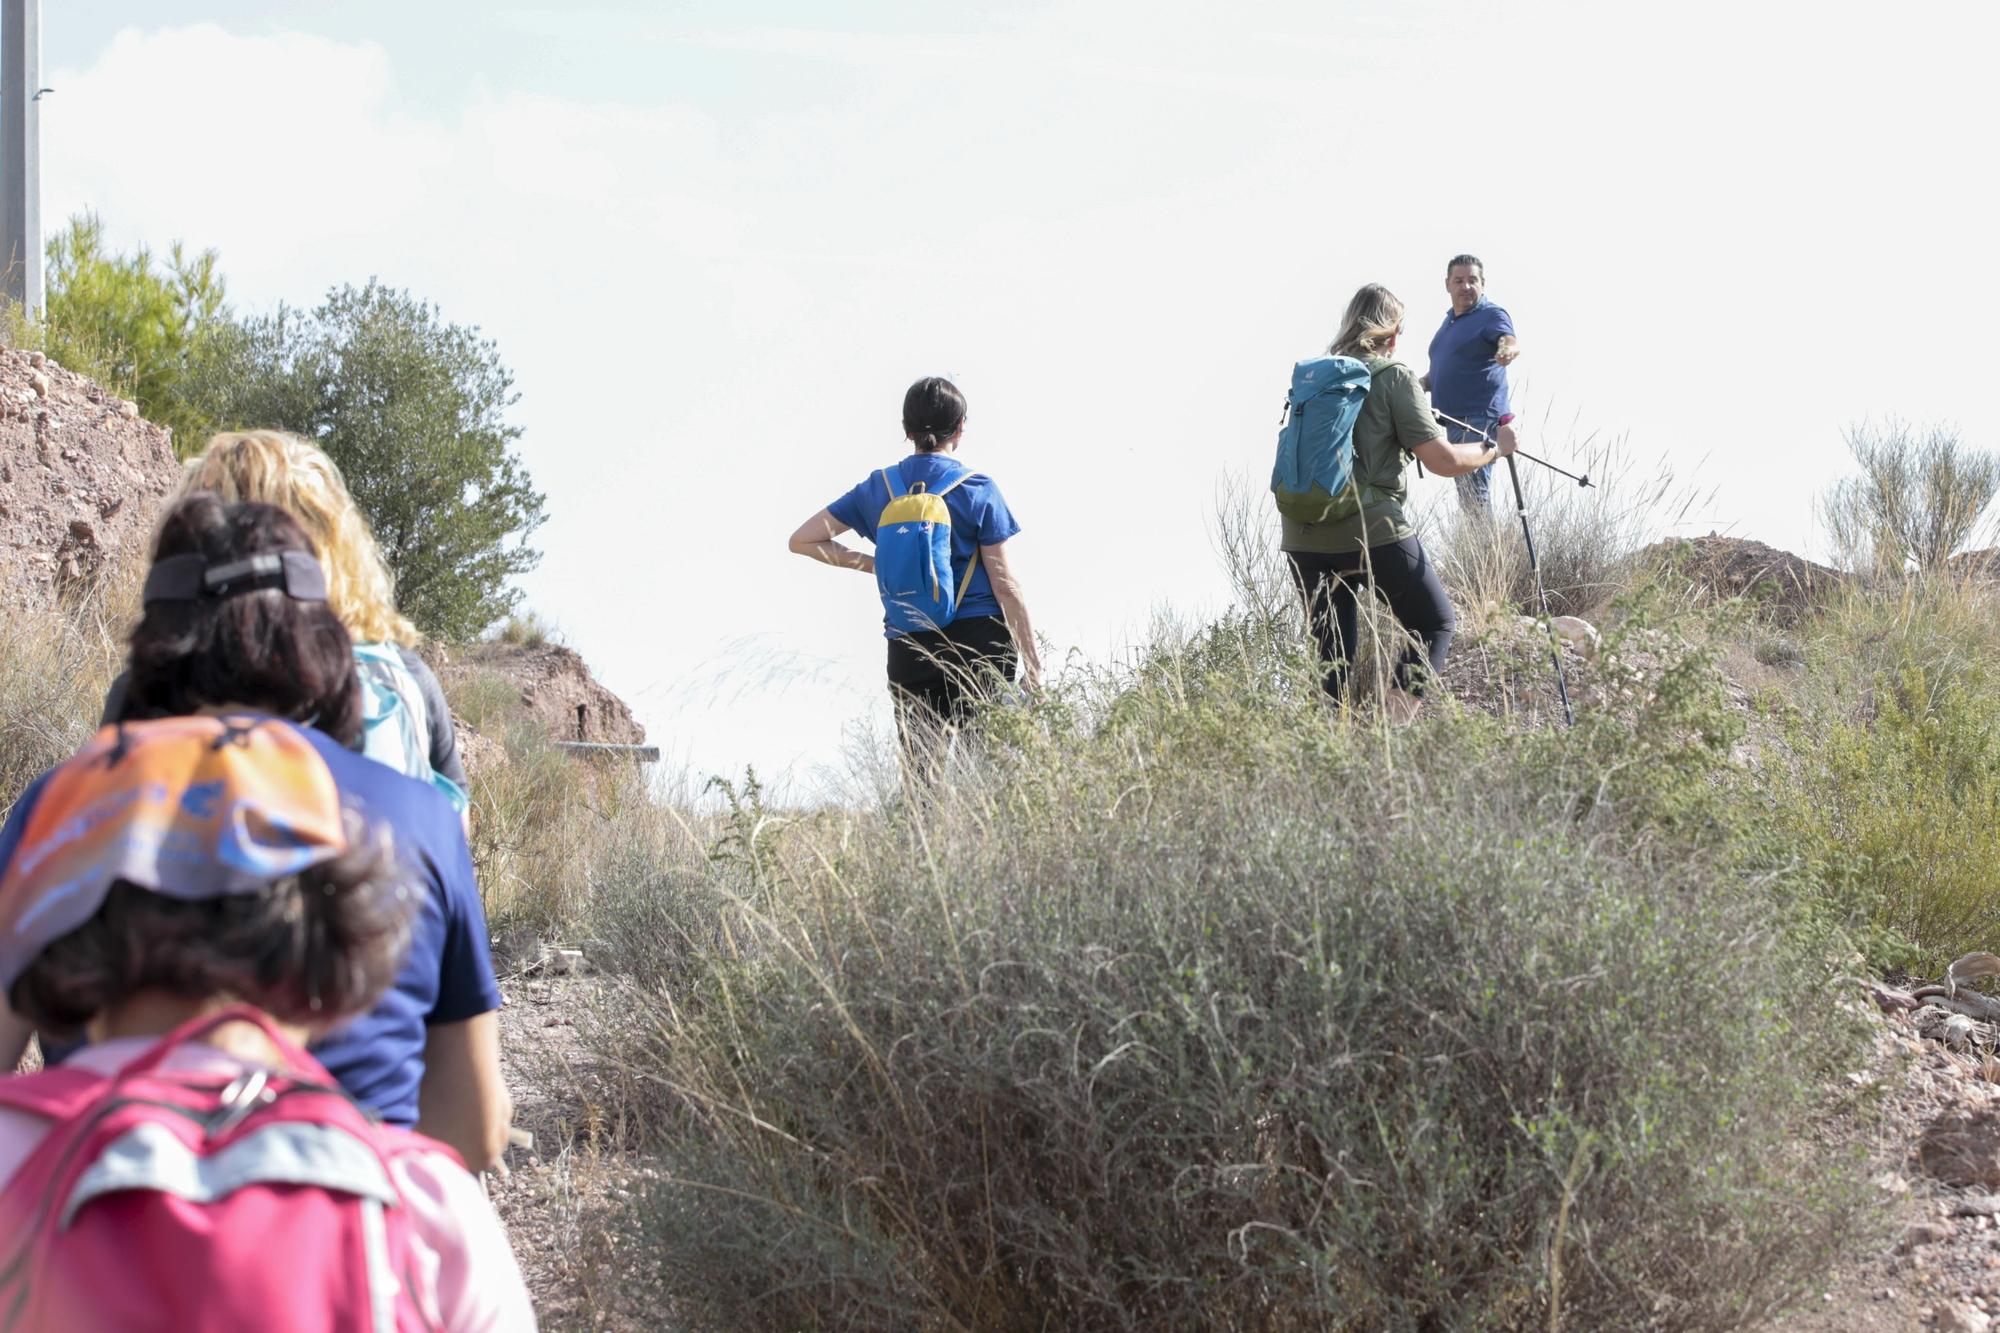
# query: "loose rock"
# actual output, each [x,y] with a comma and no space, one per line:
[1925,1233]
[1962,1317]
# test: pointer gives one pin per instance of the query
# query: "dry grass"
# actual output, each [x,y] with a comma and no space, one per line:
[54,670]
[1585,538]
[1190,1007]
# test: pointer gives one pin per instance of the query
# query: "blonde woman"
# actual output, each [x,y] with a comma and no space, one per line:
[1376,547]
[272,467]
[446,1001]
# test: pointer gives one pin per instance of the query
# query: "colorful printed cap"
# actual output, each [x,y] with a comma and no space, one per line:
[191,807]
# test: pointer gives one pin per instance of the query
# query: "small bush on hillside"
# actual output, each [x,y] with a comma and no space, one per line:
[486,700]
[1585,538]
[160,334]
[1917,502]
[548,830]
[1894,789]
[525,630]
[1197,1009]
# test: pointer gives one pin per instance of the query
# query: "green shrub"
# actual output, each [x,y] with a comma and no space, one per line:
[1192,1007]
[1917,502]
[160,334]
[525,630]
[1893,789]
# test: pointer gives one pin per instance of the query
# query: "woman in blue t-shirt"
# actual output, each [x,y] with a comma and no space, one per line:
[935,675]
[236,623]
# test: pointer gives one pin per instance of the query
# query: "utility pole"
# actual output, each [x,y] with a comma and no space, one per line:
[21,152]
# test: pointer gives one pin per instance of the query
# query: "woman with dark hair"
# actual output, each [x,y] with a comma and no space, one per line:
[236,624]
[1365,540]
[938,666]
[198,896]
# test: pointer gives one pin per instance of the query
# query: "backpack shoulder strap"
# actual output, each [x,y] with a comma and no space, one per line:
[60,1092]
[889,481]
[967,475]
[970,566]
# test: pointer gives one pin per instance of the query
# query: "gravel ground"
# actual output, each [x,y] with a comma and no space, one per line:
[563,1199]
[1940,1266]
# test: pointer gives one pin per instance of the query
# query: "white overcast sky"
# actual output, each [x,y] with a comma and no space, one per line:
[715,241]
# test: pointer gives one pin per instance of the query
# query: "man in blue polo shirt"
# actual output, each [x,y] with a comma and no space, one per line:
[1470,354]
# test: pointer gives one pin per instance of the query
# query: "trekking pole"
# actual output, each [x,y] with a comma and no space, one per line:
[1535,564]
[1541,593]
[1583,480]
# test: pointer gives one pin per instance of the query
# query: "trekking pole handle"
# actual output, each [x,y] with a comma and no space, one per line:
[1583,480]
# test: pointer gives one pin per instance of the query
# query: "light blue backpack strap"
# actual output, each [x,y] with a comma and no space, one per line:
[460,799]
[967,475]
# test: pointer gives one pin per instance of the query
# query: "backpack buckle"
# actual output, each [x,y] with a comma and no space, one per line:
[245,1093]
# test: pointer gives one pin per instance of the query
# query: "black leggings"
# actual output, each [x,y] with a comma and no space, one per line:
[936,675]
[1402,577]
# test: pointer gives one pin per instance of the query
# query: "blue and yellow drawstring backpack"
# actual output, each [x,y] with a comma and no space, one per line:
[913,556]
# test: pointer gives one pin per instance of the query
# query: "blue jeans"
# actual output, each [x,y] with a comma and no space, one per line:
[1475,488]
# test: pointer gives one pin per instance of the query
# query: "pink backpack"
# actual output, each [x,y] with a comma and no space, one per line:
[167,1199]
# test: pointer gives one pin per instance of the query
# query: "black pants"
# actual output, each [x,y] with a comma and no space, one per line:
[936,676]
[1402,577]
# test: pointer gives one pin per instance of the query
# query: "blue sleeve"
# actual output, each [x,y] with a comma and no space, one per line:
[993,520]
[861,506]
[467,987]
[1503,324]
[17,820]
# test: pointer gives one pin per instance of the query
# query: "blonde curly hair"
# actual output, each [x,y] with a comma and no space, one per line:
[276,468]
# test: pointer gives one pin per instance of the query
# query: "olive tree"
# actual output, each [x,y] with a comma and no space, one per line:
[413,409]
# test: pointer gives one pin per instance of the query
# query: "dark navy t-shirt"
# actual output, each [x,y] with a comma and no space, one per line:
[1465,379]
[979,517]
[446,977]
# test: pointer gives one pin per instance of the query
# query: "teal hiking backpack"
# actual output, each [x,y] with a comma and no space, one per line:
[395,722]
[1314,476]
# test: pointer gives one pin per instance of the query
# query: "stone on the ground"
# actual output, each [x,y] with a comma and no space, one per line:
[1579,633]
[1925,1233]
[1962,1317]
[561,962]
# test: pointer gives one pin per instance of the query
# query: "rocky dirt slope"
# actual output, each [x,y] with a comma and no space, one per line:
[1782,585]
[556,688]
[1928,1109]
[81,478]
